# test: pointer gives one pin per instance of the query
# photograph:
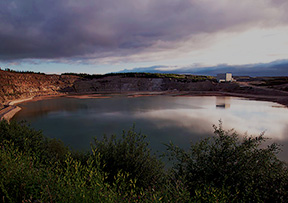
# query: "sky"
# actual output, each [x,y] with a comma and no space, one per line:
[102,36]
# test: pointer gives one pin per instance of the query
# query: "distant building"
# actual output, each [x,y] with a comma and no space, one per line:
[224,77]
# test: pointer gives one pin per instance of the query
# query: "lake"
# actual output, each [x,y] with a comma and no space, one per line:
[162,118]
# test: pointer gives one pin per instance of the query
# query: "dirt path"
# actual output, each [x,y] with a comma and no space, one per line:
[11,109]
[19,101]
[9,112]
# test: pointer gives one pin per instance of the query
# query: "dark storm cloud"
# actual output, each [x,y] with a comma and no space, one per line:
[55,29]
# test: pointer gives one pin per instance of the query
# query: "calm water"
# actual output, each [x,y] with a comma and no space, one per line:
[162,118]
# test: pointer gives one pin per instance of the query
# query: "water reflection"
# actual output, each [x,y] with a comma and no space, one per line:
[163,118]
[223,102]
[43,107]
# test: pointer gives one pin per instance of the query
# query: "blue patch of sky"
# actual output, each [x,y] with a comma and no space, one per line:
[58,67]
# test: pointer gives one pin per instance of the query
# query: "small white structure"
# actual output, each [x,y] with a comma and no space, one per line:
[224,77]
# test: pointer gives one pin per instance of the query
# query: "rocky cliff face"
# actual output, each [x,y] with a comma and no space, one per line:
[128,84]
[23,85]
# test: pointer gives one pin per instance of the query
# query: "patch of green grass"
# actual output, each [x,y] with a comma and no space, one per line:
[193,78]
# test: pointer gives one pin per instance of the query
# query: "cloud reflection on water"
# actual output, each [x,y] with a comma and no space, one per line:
[253,119]
[162,118]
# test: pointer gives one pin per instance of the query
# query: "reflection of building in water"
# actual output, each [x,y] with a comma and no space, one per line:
[223,102]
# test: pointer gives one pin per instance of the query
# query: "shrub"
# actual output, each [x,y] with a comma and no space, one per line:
[23,178]
[27,139]
[129,155]
[21,135]
[241,168]
[19,178]
[223,168]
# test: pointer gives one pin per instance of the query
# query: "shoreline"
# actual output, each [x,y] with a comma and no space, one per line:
[10,113]
[282,100]
[11,108]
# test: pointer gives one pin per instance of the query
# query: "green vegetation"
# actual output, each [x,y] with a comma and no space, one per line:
[223,168]
[192,78]
[178,77]
[17,71]
[83,75]
[130,154]
[234,168]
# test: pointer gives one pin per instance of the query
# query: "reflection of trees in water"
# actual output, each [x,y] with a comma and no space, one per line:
[43,107]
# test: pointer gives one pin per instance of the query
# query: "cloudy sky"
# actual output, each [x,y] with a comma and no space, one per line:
[100,36]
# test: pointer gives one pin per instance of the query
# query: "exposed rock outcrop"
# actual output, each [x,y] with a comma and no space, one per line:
[24,85]
[128,84]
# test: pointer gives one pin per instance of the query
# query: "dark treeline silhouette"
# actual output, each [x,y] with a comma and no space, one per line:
[145,75]
[21,71]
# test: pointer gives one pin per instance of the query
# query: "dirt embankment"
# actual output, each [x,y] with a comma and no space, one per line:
[8,112]
[25,85]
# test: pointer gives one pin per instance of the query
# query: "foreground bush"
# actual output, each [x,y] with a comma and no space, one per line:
[129,155]
[233,168]
[24,179]
[223,168]
[26,139]
[37,169]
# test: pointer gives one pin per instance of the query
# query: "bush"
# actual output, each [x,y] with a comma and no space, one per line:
[129,155]
[21,135]
[19,178]
[242,169]
[23,178]
[27,139]
[223,168]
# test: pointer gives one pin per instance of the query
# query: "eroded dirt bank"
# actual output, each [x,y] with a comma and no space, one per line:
[15,86]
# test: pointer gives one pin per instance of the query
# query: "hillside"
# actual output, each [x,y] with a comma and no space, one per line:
[134,82]
[15,85]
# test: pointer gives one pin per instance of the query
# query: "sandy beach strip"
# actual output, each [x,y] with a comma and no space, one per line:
[88,96]
[8,112]
[19,101]
[11,109]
